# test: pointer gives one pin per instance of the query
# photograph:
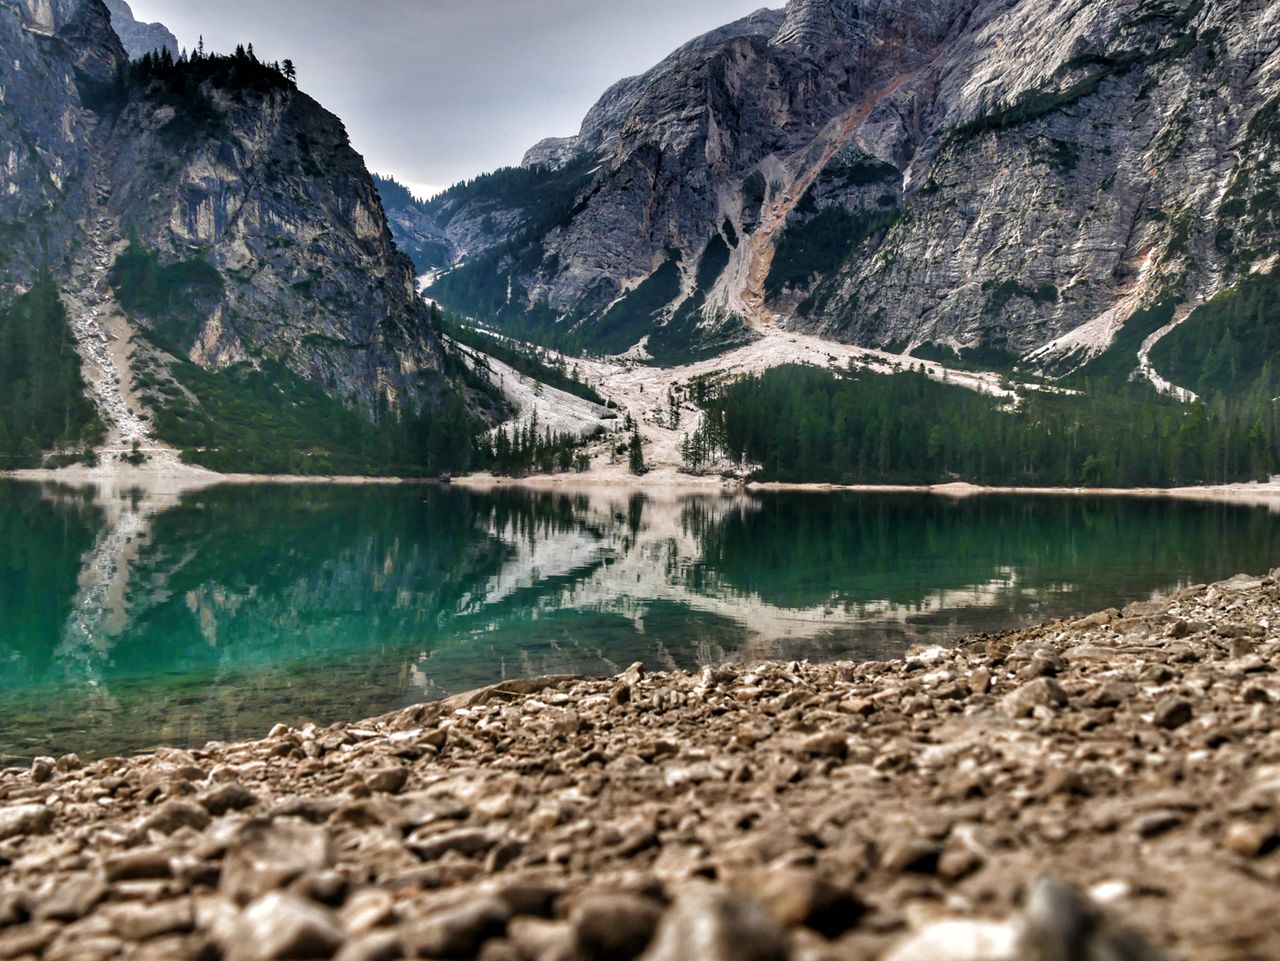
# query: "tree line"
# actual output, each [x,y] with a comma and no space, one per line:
[239,69]
[1227,345]
[517,451]
[803,424]
[43,404]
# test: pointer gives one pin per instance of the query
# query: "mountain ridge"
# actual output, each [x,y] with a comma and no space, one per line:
[960,175]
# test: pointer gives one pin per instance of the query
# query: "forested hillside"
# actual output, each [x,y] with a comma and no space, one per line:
[1231,345]
[803,424]
[42,394]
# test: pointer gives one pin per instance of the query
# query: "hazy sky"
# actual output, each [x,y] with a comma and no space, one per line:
[434,91]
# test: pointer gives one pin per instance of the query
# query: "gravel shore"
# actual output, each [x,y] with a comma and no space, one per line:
[1105,788]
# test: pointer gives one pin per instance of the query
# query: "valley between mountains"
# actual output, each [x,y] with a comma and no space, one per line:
[996,243]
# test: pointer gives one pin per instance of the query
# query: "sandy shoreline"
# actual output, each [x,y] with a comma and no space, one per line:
[1107,787]
[664,482]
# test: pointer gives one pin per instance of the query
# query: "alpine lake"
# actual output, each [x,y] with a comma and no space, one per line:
[131,619]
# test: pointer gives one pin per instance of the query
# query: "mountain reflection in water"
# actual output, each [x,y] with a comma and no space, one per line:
[132,618]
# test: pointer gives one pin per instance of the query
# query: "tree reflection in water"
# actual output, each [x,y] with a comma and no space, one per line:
[138,618]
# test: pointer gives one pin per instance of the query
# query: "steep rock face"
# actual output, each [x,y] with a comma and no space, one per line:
[1074,170]
[266,188]
[996,174]
[602,126]
[817,23]
[489,212]
[222,171]
[44,133]
[139,38]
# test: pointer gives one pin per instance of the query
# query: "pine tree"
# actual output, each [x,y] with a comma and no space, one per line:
[636,455]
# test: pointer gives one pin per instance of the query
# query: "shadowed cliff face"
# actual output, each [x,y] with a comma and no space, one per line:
[226,172]
[975,173]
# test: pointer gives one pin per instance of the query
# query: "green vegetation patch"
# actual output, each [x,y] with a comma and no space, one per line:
[1000,294]
[1229,345]
[639,312]
[862,171]
[690,335]
[981,358]
[176,299]
[1038,103]
[754,191]
[546,194]
[185,84]
[269,420]
[491,286]
[805,424]
[42,394]
[1113,368]
[524,359]
[818,244]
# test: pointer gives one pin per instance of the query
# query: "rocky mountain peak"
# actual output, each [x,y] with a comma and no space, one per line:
[600,129]
[917,174]
[817,23]
[139,38]
[211,221]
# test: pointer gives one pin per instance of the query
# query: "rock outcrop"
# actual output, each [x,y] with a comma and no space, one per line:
[966,173]
[263,185]
[602,128]
[45,130]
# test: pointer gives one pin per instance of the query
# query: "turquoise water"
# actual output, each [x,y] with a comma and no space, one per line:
[130,620]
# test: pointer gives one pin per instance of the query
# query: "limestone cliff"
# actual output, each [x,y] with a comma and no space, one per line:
[44,130]
[227,163]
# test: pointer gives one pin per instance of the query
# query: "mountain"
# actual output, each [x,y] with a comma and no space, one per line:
[415,229]
[603,124]
[1014,180]
[219,249]
[139,38]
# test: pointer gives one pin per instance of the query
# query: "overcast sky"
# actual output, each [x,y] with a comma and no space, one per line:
[434,91]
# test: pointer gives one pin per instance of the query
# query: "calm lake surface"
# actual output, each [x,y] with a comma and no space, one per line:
[130,620]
